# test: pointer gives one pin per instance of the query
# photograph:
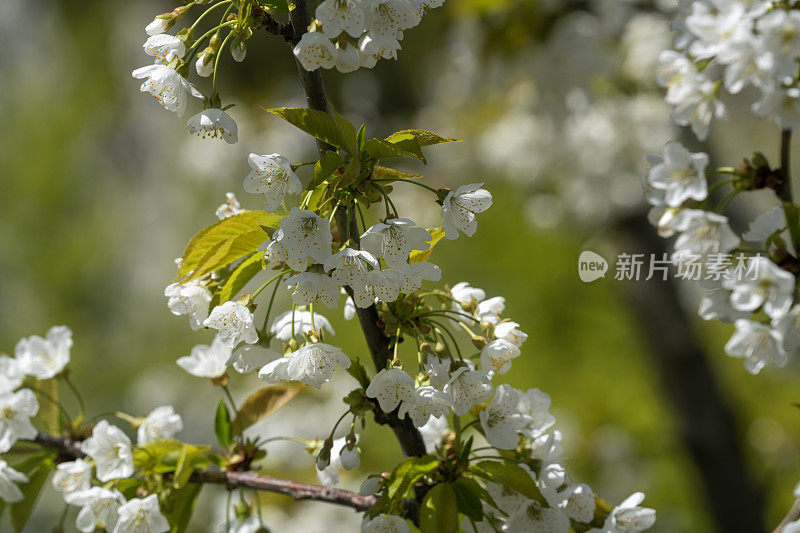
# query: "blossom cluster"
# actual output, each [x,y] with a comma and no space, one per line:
[731,46]
[349,34]
[90,483]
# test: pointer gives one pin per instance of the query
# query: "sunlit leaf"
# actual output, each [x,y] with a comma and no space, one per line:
[261,404]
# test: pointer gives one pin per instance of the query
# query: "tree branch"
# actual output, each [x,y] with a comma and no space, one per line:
[299,491]
[377,342]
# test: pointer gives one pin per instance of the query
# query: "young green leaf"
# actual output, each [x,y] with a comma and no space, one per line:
[243,273]
[419,256]
[37,469]
[261,404]
[511,475]
[222,424]
[406,147]
[362,138]
[332,129]
[468,500]
[385,173]
[423,137]
[178,506]
[439,512]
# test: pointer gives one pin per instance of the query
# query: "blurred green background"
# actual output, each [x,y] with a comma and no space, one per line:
[101,189]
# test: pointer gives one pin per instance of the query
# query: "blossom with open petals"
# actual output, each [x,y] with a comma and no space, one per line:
[460,209]
[234,322]
[140,515]
[272,176]
[168,87]
[312,364]
[161,423]
[44,358]
[207,361]
[111,450]
[16,411]
[213,123]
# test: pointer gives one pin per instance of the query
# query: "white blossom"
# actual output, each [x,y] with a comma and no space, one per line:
[350,267]
[234,321]
[468,387]
[390,17]
[207,361]
[438,371]
[390,387]
[433,432]
[373,46]
[535,405]
[782,104]
[536,517]
[9,491]
[339,16]
[159,25]
[140,515]
[490,310]
[16,411]
[771,287]
[497,355]
[72,478]
[161,423]
[11,374]
[424,403]
[311,286]
[214,123]
[765,226]
[757,344]
[205,64]
[579,503]
[628,517]
[716,304]
[167,86]
[164,48]
[348,58]
[681,174]
[510,332]
[249,357]
[191,298]
[44,358]
[230,208]
[298,322]
[702,233]
[305,236]
[99,509]
[413,274]
[460,209]
[315,50]
[111,450]
[272,176]
[349,456]
[394,239]
[464,293]
[502,420]
[312,364]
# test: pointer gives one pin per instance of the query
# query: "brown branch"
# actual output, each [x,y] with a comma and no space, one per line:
[377,342]
[299,491]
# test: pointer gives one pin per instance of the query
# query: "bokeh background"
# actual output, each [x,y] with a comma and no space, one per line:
[556,103]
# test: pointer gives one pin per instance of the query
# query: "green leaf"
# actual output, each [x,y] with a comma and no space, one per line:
[332,129]
[179,506]
[222,425]
[408,147]
[316,196]
[439,512]
[402,478]
[164,455]
[325,167]
[350,175]
[511,475]
[49,411]
[37,469]
[362,138]
[226,241]
[419,256]
[423,137]
[241,275]
[468,500]
[792,213]
[477,489]
[385,173]
[261,404]
[185,466]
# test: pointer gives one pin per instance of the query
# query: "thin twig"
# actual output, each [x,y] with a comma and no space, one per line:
[249,480]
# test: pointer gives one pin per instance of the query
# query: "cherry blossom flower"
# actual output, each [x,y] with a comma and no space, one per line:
[579,503]
[390,387]
[205,64]
[9,491]
[164,48]
[537,517]
[534,404]
[191,298]
[339,16]
[490,310]
[502,420]
[782,104]
[349,455]
[272,176]
[628,517]
[390,17]
[433,432]
[99,509]
[460,207]
[716,304]
[249,357]
[394,239]
[305,236]
[298,322]
[468,387]
[44,358]
[161,423]
[703,233]
[497,355]
[772,287]
[16,411]
[373,46]
[312,364]
[111,450]
[681,174]
[141,514]
[72,478]
[348,58]
[424,403]
[207,361]
[11,374]
[214,123]
[167,86]
[230,208]
[351,267]
[413,274]
[315,50]
[438,371]
[464,293]
[234,321]
[510,332]
[757,344]
[159,25]
[311,286]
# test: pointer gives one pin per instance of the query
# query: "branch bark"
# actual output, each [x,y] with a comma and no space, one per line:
[299,491]
[377,342]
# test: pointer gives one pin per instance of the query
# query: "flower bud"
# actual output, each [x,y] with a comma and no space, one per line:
[370,485]
[205,63]
[238,50]
[324,456]
[160,24]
